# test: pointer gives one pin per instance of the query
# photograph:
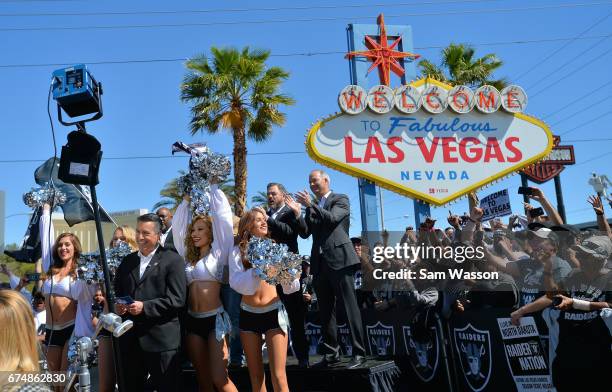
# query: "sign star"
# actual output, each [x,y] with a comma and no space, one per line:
[383,55]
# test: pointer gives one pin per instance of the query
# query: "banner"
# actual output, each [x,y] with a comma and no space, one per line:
[525,355]
[474,350]
[495,205]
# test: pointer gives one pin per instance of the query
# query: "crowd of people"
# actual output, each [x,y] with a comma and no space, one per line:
[543,265]
[189,287]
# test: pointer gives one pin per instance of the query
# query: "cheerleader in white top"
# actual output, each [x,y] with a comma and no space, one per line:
[205,244]
[261,311]
[67,299]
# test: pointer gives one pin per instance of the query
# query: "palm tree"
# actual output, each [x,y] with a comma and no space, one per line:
[261,198]
[236,91]
[172,197]
[460,66]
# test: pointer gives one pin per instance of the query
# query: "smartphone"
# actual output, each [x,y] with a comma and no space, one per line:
[556,301]
[33,277]
[126,300]
[536,212]
[525,190]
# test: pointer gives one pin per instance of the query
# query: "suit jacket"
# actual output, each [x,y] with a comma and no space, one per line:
[169,243]
[285,227]
[162,290]
[329,227]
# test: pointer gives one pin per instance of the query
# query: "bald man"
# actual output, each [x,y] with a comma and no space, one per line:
[166,239]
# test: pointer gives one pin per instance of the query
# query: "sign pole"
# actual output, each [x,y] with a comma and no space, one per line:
[559,192]
[524,183]
[382,209]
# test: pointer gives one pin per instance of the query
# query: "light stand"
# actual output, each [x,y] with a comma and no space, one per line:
[85,346]
[78,94]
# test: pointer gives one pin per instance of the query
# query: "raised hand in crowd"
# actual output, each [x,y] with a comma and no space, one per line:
[530,219]
[595,202]
[598,207]
[551,212]
[454,220]
[476,213]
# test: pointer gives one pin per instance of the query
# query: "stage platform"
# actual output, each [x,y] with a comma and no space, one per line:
[375,375]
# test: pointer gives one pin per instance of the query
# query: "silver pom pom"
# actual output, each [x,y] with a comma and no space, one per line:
[272,262]
[44,195]
[205,167]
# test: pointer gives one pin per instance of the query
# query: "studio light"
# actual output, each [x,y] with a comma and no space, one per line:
[77,92]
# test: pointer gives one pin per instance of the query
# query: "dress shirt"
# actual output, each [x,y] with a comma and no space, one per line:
[275,214]
[324,199]
[145,260]
[164,236]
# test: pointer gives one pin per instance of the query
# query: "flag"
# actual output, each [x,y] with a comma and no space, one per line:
[29,251]
[78,207]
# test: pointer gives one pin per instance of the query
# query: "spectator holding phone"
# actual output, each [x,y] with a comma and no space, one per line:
[536,194]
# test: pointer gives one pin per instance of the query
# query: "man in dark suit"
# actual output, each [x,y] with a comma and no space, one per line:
[154,279]
[283,225]
[166,237]
[333,263]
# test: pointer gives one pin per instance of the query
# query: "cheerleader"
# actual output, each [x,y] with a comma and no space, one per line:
[205,244]
[68,300]
[261,311]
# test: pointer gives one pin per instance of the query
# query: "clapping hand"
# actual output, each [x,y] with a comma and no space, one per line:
[304,198]
[294,205]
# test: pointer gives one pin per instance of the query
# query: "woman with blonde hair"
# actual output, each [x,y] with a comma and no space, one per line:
[67,299]
[18,338]
[261,311]
[106,365]
[126,234]
[205,243]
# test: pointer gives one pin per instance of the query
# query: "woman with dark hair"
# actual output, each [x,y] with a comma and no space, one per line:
[67,299]
[261,311]
[205,244]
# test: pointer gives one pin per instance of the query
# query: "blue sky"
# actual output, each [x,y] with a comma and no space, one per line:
[143,115]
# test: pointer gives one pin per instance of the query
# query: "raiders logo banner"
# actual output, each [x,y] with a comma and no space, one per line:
[381,339]
[313,337]
[344,340]
[475,357]
[525,355]
[424,354]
